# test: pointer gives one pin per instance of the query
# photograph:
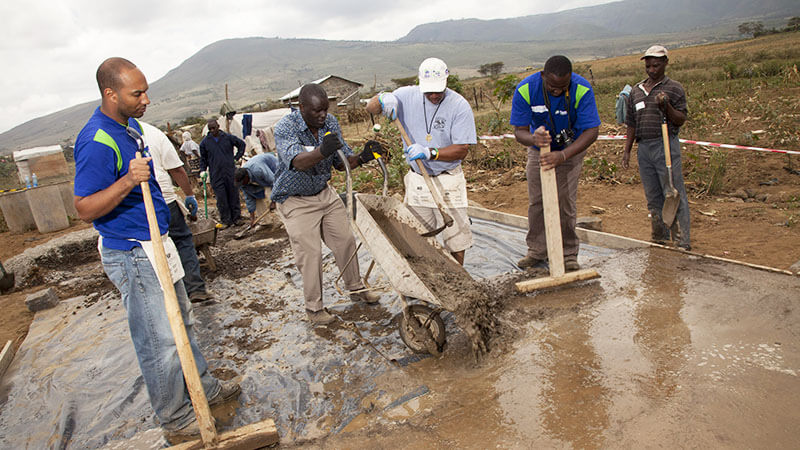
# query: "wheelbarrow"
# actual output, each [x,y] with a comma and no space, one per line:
[204,236]
[394,237]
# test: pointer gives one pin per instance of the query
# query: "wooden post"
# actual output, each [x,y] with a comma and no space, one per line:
[226,92]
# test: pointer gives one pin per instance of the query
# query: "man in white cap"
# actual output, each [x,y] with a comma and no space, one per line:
[440,123]
[189,147]
[652,100]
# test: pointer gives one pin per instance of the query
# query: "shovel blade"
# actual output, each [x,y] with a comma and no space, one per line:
[671,202]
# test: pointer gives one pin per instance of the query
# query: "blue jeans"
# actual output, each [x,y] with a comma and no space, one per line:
[182,236]
[653,171]
[132,273]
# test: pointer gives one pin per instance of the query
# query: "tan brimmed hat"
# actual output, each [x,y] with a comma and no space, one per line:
[656,51]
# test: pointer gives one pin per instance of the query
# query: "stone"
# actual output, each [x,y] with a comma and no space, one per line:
[740,193]
[795,268]
[762,197]
[590,223]
[39,300]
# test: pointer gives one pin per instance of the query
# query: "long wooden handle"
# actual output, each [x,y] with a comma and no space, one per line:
[552,217]
[437,196]
[196,393]
[665,137]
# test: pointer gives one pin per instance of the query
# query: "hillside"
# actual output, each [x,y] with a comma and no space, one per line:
[257,69]
[624,18]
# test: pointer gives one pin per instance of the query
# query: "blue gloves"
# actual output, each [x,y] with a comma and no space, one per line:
[191,204]
[417,151]
[388,105]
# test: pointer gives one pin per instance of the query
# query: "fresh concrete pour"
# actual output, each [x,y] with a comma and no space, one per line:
[666,349]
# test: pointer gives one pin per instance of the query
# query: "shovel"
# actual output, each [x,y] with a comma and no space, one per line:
[256,435]
[671,198]
[243,233]
[437,197]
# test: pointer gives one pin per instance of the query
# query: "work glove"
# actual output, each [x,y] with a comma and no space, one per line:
[330,143]
[372,150]
[388,105]
[417,151]
[203,175]
[191,204]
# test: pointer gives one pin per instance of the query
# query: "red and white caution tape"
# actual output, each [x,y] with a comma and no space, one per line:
[622,137]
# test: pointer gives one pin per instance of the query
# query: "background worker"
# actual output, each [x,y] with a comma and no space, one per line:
[307,141]
[216,154]
[108,194]
[554,107]
[168,168]
[651,99]
[189,148]
[440,123]
[254,178]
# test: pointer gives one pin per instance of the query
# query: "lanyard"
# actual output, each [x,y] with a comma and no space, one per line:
[553,131]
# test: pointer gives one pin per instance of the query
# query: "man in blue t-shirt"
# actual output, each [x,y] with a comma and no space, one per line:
[256,175]
[554,107]
[108,194]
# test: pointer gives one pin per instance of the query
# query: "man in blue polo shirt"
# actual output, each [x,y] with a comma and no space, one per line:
[554,107]
[108,194]
[309,208]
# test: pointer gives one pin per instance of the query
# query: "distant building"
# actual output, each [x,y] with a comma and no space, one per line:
[342,93]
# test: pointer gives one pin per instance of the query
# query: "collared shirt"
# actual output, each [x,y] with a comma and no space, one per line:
[528,107]
[293,137]
[261,172]
[103,151]
[643,113]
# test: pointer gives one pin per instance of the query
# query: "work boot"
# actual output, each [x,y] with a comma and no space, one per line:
[190,432]
[227,391]
[199,296]
[321,317]
[571,265]
[239,222]
[529,262]
[660,232]
[368,297]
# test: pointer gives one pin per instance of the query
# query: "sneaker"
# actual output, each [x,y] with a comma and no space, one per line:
[199,296]
[321,317]
[222,226]
[227,391]
[571,265]
[190,432]
[368,297]
[530,262]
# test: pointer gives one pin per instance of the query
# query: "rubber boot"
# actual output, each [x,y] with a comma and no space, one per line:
[660,232]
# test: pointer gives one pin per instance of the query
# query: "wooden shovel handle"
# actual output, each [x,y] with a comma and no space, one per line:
[437,197]
[665,137]
[195,387]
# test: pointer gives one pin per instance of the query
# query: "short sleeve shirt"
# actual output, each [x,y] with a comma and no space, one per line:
[528,107]
[98,165]
[643,113]
[164,158]
[450,122]
[292,137]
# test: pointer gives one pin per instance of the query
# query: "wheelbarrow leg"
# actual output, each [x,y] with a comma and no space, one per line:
[206,250]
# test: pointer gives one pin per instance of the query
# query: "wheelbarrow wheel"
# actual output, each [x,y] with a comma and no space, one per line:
[418,337]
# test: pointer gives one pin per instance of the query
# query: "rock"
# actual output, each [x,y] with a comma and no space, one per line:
[750,193]
[740,193]
[590,223]
[762,197]
[39,300]
[736,200]
[795,268]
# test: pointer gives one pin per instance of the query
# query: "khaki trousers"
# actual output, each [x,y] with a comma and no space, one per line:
[309,220]
[567,176]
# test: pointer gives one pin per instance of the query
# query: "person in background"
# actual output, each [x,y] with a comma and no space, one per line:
[255,177]
[652,100]
[189,148]
[216,154]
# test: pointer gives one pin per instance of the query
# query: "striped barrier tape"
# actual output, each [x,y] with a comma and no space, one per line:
[12,190]
[622,137]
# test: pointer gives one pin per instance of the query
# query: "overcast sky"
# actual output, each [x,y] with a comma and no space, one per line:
[51,49]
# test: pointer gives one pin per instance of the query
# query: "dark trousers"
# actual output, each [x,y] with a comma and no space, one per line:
[182,237]
[227,199]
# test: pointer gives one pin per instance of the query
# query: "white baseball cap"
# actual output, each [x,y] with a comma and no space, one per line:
[656,51]
[433,75]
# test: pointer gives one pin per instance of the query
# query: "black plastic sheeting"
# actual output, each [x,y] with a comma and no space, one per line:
[75,383]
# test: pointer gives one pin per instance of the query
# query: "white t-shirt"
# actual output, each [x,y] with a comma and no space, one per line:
[451,123]
[164,158]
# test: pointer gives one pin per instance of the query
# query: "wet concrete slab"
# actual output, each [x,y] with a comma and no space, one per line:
[665,350]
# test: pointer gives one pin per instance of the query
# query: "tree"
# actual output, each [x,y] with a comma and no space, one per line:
[794,24]
[491,69]
[504,87]
[454,83]
[753,28]
[407,81]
